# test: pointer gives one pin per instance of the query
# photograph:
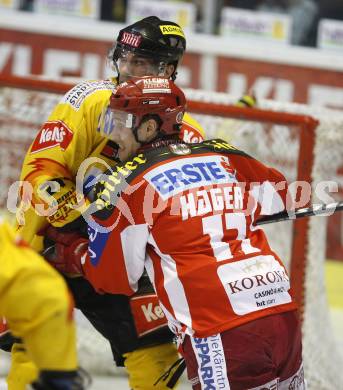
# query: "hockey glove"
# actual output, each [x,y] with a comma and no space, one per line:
[6,337]
[248,100]
[65,251]
[62,380]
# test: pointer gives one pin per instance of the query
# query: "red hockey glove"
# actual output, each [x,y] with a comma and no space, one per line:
[57,235]
[67,251]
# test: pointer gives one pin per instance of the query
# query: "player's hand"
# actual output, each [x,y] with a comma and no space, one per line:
[62,380]
[66,251]
[61,236]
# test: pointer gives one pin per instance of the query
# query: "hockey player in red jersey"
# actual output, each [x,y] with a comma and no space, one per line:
[186,214]
[148,47]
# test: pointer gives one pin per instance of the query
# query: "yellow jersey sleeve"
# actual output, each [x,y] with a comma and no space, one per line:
[65,141]
[36,303]
[191,130]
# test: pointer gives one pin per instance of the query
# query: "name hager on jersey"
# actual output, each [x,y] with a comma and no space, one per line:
[191,220]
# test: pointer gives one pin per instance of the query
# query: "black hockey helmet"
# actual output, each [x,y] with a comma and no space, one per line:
[159,40]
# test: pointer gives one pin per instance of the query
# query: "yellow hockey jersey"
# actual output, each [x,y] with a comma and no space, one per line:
[70,135]
[36,303]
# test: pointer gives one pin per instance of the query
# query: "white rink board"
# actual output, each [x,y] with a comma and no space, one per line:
[106,383]
[120,382]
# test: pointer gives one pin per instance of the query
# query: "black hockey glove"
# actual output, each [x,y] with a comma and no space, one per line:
[62,380]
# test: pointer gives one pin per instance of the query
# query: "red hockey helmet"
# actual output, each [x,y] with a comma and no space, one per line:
[147,96]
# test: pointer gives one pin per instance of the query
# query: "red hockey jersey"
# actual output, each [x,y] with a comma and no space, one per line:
[186,214]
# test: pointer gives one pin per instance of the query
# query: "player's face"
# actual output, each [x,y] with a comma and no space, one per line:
[132,65]
[122,134]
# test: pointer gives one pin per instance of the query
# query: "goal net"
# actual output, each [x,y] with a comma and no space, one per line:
[303,142]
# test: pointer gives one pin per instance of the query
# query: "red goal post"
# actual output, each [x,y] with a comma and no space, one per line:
[291,137]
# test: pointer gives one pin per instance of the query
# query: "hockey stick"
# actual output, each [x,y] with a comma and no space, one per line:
[320,209]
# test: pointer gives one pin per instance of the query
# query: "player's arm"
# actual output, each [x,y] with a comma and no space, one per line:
[48,173]
[268,187]
[51,164]
[112,259]
[37,305]
[276,196]
[117,242]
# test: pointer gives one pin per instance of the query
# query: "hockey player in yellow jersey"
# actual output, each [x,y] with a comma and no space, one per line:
[72,131]
[71,134]
[38,307]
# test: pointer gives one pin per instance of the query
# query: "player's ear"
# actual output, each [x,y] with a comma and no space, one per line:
[148,130]
[151,129]
[169,70]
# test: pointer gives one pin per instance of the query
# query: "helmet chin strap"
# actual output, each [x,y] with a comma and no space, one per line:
[135,134]
[117,70]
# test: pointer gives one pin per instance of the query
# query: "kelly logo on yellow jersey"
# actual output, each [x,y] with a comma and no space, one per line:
[54,133]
